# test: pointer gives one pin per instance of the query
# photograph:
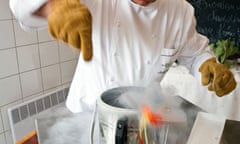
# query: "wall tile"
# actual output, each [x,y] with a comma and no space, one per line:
[5,12]
[49,53]
[76,53]
[67,70]
[5,118]
[28,58]
[10,90]
[1,124]
[31,82]
[51,76]
[8,62]
[6,34]
[44,36]
[66,85]
[23,37]
[2,138]
[66,52]
[52,89]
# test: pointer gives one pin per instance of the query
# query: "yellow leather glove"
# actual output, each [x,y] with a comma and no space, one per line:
[71,22]
[219,77]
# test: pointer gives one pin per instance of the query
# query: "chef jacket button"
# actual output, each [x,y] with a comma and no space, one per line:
[118,24]
[153,36]
[111,79]
[115,53]
[149,62]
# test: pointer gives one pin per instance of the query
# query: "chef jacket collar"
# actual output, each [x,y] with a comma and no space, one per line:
[151,6]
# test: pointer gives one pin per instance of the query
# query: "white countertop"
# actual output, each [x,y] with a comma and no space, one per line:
[190,89]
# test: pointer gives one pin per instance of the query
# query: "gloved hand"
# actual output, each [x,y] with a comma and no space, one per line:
[71,22]
[219,77]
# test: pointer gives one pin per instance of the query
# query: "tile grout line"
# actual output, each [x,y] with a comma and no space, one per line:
[19,74]
[39,57]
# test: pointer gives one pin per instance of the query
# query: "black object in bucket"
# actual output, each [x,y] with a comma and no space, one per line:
[121,131]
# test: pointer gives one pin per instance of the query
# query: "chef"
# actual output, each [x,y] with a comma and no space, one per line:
[125,43]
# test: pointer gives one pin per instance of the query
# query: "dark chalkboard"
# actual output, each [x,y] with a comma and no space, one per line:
[218,19]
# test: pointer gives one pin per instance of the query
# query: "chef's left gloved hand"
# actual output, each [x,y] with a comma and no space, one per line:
[219,77]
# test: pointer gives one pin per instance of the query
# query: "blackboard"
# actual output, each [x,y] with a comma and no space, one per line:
[218,19]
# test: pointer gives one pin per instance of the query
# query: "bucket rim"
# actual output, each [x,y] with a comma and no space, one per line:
[101,102]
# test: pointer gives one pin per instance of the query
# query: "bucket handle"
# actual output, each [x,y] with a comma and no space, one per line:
[121,131]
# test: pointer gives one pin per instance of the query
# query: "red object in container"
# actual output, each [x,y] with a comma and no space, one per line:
[154,119]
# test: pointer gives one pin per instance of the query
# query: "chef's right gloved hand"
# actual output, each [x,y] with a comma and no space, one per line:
[71,22]
[219,77]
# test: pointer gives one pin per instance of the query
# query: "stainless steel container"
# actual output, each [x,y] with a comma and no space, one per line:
[116,121]
[118,124]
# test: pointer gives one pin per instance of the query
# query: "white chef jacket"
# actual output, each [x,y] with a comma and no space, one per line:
[132,45]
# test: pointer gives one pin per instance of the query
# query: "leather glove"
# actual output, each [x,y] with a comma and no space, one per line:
[71,22]
[219,77]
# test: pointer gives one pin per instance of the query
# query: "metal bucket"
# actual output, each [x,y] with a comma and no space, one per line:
[118,124]
[116,121]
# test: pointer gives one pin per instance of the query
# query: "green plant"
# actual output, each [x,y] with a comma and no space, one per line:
[223,49]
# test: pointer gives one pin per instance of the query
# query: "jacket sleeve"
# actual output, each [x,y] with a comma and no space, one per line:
[23,11]
[194,46]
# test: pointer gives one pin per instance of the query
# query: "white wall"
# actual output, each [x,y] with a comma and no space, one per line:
[31,64]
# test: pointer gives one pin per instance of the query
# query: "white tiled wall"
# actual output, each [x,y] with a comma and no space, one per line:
[31,64]
[49,53]
[22,37]
[1,124]
[10,90]
[28,57]
[51,76]
[4,10]
[67,70]
[43,36]
[8,56]
[7,34]
[31,82]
